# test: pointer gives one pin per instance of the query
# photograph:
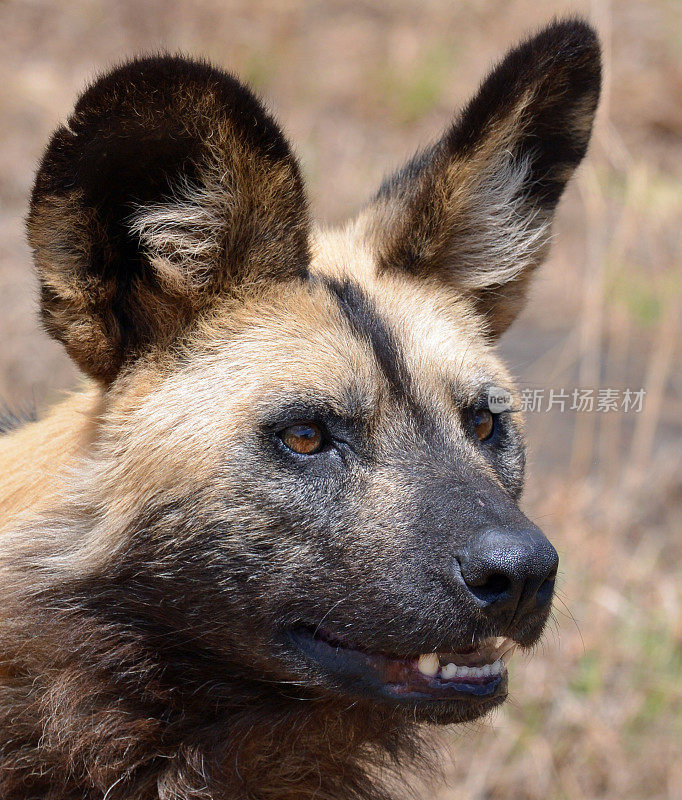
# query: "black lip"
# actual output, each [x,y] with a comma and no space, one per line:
[381,677]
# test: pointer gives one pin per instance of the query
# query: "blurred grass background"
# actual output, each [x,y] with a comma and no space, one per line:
[596,712]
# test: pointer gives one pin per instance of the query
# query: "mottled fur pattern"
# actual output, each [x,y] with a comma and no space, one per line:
[158,541]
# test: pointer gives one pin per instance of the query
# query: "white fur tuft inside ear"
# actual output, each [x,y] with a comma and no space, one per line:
[501,233]
[185,237]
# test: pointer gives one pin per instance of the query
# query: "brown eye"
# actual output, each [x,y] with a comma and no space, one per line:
[484,424]
[305,439]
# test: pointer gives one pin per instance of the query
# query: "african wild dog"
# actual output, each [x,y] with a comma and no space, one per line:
[222,559]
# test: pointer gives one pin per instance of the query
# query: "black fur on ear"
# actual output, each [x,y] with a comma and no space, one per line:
[474,210]
[169,185]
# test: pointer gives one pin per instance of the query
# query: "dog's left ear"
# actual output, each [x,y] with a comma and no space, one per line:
[474,210]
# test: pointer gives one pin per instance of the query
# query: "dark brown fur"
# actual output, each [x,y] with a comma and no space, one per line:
[156,129]
[158,542]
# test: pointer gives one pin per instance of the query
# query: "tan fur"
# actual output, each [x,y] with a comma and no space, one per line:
[111,456]
[34,458]
[166,561]
[140,447]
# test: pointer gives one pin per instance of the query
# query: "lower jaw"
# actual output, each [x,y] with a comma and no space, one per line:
[398,682]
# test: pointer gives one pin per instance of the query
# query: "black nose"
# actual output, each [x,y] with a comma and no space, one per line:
[509,571]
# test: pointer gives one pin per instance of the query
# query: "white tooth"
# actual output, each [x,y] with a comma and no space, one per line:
[463,672]
[428,664]
[486,670]
[449,671]
[499,666]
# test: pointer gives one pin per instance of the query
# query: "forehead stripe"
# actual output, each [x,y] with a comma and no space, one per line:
[368,325]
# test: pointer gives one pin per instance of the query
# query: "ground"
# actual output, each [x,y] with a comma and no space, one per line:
[597,711]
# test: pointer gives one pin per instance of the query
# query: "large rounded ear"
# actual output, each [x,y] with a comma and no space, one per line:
[169,186]
[474,210]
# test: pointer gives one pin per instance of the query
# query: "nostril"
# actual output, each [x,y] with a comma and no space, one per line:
[546,588]
[505,570]
[544,593]
[494,587]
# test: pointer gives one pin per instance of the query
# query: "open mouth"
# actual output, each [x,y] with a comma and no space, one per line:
[471,673]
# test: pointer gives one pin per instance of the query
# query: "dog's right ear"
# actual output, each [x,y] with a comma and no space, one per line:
[170,185]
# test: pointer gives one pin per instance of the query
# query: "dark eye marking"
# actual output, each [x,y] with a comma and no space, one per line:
[310,425]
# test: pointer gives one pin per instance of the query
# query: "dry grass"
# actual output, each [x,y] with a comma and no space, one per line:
[597,711]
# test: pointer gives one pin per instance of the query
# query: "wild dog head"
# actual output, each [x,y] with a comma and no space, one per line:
[297,476]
